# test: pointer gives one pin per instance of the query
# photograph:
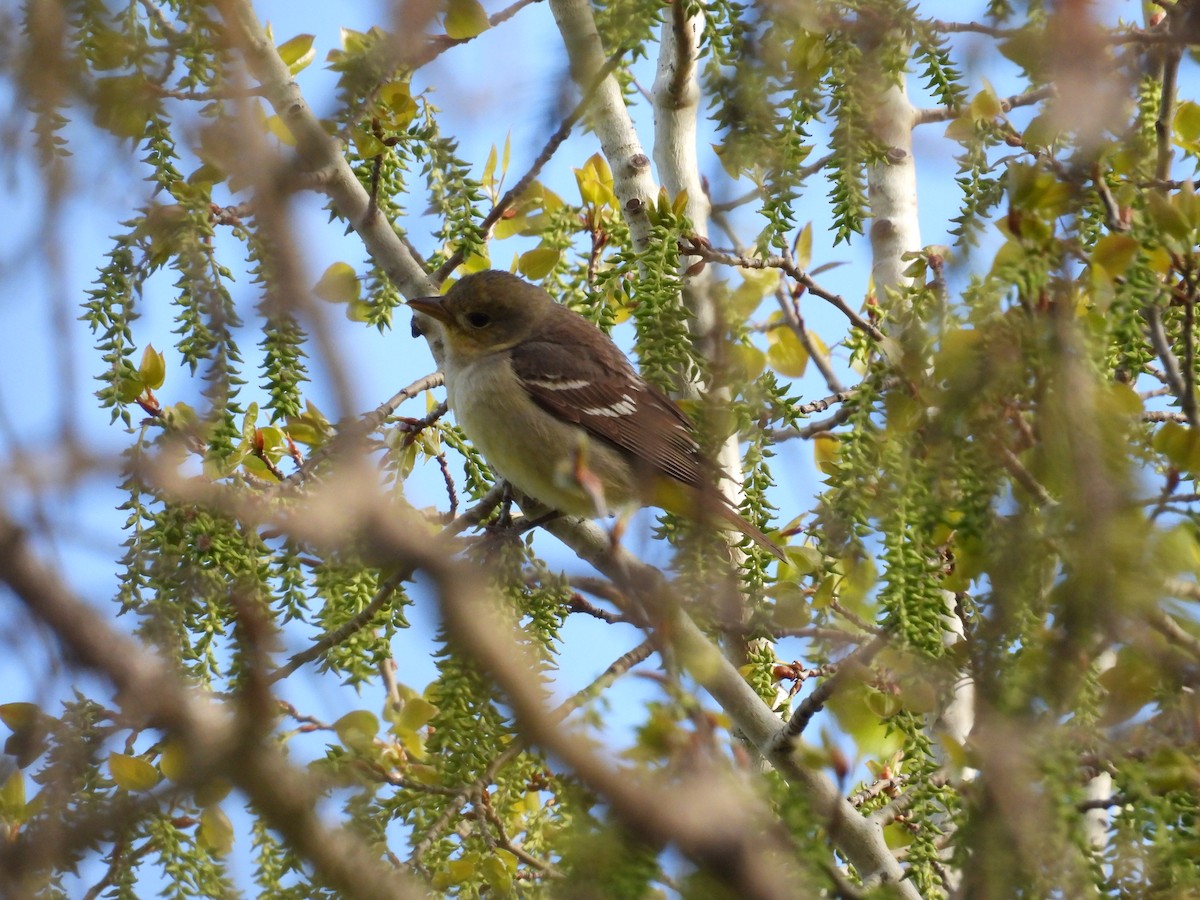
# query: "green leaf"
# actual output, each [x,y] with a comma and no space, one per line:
[465,19]
[132,773]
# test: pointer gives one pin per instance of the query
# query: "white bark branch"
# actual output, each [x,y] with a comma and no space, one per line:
[892,191]
[633,182]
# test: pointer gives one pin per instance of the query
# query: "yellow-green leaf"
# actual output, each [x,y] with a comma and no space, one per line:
[1187,122]
[985,105]
[1179,445]
[173,761]
[12,797]
[216,831]
[396,97]
[510,225]
[1114,253]
[132,773]
[297,52]
[213,791]
[282,132]
[1166,216]
[962,129]
[785,353]
[489,167]
[153,370]
[465,19]
[539,262]
[248,426]
[416,713]
[756,284]
[596,182]
[357,729]
[476,262]
[679,204]
[802,560]
[802,249]
[19,715]
[339,284]
[367,143]
[747,361]
[825,451]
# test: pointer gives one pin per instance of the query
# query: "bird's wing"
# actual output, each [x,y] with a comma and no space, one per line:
[591,383]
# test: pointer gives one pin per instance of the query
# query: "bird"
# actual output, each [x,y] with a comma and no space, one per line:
[558,410]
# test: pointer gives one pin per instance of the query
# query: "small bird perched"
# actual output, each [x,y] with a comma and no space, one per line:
[557,410]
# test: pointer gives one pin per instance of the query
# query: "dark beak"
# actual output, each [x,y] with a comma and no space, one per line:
[430,306]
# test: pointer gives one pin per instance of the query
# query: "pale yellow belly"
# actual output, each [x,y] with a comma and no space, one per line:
[550,460]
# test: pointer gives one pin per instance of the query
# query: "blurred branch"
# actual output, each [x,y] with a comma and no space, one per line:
[150,692]
[359,620]
[860,841]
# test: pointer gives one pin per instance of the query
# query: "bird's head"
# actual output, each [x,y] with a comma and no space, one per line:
[486,312]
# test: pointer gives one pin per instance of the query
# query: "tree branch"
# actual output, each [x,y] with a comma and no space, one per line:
[152,693]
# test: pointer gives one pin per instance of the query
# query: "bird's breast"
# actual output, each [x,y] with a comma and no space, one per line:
[542,456]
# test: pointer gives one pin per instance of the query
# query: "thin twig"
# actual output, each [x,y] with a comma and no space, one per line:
[356,431]
[793,320]
[815,702]
[692,246]
[946,113]
[514,193]
[619,667]
[332,638]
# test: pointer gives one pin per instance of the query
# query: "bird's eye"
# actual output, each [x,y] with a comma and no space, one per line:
[479,319]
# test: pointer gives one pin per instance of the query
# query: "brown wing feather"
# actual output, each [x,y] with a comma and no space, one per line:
[594,386]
